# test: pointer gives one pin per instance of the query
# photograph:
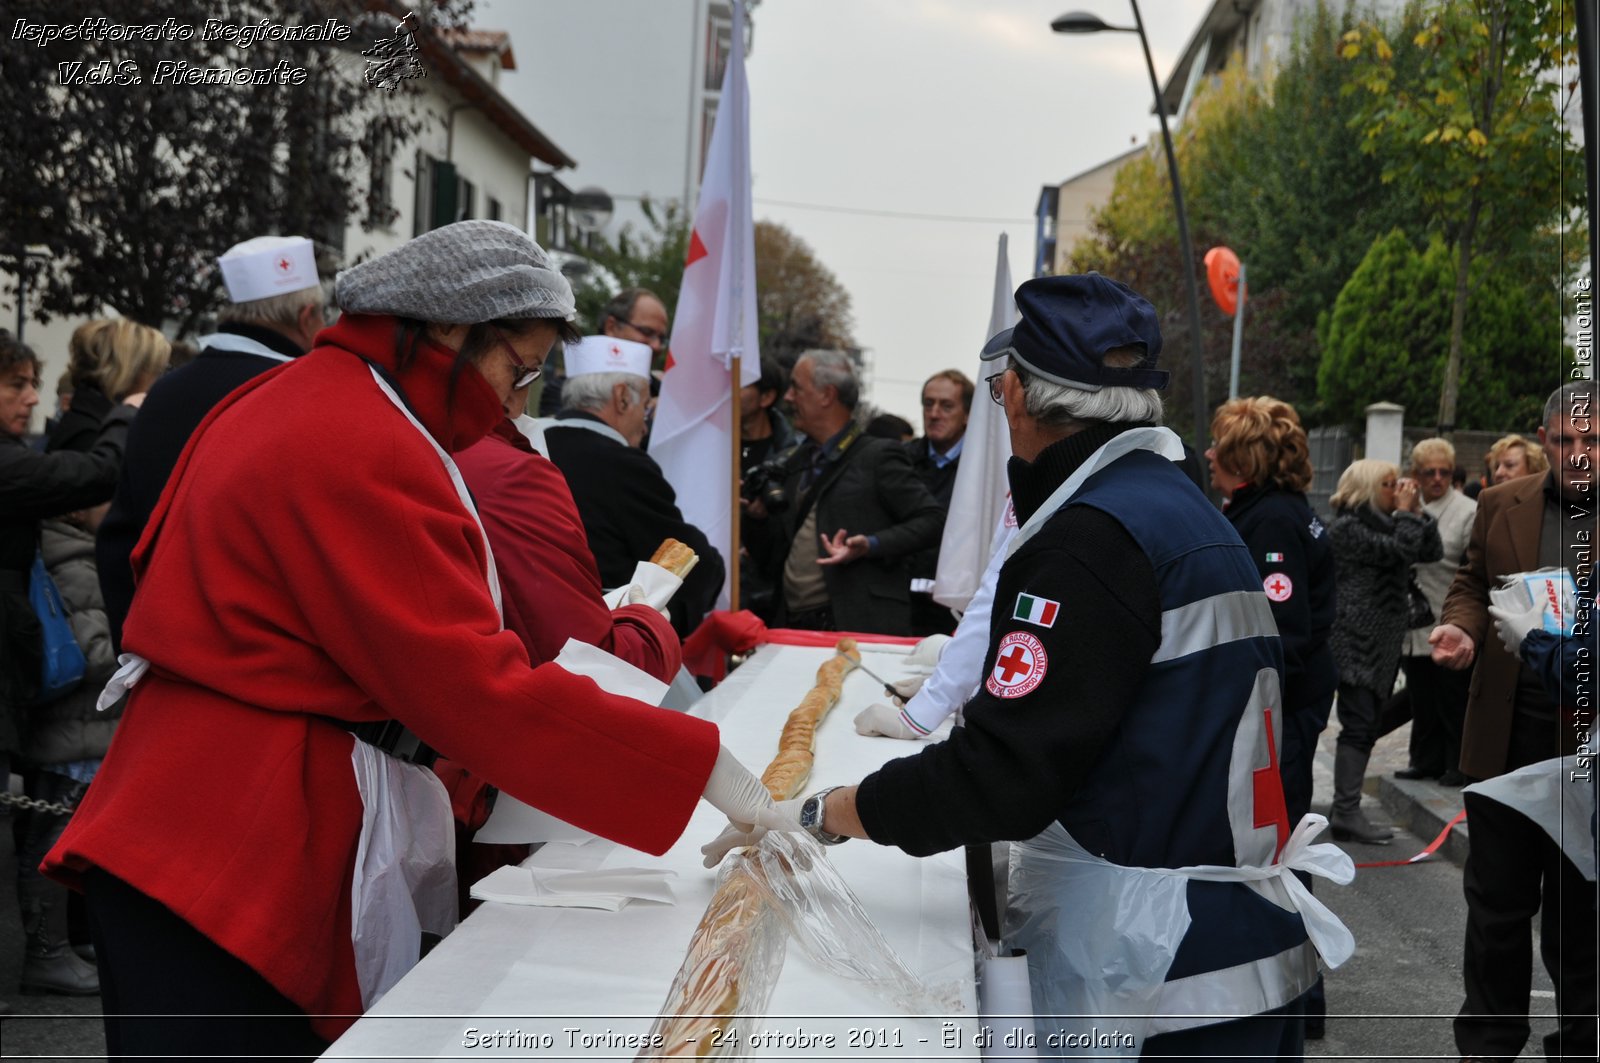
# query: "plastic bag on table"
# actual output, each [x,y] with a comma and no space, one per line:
[824,915]
[725,983]
[783,885]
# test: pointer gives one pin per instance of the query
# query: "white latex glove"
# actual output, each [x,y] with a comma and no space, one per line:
[736,793]
[636,596]
[782,815]
[1513,625]
[927,651]
[881,719]
[906,689]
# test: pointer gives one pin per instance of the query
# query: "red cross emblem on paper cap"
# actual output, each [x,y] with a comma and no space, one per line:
[1019,666]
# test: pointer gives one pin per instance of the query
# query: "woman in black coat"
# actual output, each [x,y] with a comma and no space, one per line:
[1261,463]
[1379,531]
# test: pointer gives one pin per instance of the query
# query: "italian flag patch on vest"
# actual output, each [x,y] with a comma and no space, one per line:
[1041,611]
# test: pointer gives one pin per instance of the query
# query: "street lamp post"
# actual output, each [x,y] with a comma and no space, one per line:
[1082,22]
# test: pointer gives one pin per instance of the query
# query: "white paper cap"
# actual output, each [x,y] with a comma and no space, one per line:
[268,266]
[607,354]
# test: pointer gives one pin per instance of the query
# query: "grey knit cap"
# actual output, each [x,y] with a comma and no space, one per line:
[459,274]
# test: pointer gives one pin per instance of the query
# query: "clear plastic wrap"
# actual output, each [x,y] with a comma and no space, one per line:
[784,885]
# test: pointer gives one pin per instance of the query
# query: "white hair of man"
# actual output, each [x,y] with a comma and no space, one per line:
[592,391]
[281,310]
[834,369]
[1061,406]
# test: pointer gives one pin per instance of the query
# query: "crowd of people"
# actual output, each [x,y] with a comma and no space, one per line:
[343,541]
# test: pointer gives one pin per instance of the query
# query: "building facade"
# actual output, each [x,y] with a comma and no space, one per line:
[586,63]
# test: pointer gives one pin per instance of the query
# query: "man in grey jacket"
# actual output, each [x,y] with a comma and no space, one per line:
[856,511]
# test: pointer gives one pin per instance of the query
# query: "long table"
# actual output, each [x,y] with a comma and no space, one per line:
[570,983]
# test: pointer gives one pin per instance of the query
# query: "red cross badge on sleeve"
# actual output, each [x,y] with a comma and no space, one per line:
[1278,586]
[1018,666]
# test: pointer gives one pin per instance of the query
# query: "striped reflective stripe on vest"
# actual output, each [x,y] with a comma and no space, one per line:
[1213,621]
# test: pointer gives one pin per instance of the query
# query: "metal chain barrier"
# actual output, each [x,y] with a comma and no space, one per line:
[32,804]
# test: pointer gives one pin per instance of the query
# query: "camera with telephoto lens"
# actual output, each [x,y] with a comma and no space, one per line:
[767,483]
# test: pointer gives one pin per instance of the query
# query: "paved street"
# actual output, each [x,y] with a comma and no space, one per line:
[1393,1000]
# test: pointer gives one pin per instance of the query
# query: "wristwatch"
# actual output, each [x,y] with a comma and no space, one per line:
[811,818]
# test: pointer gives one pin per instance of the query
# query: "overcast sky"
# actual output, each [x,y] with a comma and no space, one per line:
[939,107]
[949,108]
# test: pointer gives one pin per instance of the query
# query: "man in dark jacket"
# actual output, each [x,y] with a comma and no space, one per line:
[623,497]
[275,311]
[840,551]
[946,404]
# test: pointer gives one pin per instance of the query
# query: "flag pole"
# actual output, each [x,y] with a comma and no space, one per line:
[738,477]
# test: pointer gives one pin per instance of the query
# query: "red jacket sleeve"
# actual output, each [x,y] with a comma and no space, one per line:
[549,582]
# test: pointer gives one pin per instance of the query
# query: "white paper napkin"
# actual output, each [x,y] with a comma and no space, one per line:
[608,890]
[658,585]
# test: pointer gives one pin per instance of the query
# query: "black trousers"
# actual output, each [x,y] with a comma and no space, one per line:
[1514,871]
[1359,713]
[168,990]
[1437,702]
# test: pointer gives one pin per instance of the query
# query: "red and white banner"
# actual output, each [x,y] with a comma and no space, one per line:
[692,436]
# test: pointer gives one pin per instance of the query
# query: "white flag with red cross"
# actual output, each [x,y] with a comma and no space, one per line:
[692,436]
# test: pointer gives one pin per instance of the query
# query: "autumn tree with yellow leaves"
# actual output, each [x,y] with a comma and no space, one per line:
[1475,127]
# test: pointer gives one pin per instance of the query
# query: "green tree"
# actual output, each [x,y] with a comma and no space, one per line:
[800,302]
[652,258]
[1298,199]
[1387,337]
[1475,128]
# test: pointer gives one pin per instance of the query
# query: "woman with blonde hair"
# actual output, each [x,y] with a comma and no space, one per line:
[1379,531]
[1513,457]
[108,360]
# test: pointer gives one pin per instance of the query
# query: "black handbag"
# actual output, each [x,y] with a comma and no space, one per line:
[1421,614]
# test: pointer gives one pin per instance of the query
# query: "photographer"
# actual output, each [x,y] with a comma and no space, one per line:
[836,539]
[765,438]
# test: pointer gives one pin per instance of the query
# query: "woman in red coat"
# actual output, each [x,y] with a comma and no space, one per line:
[314,570]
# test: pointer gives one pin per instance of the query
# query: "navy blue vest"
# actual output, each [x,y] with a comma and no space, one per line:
[1191,776]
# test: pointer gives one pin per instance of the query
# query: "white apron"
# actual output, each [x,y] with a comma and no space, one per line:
[405,874]
[1558,795]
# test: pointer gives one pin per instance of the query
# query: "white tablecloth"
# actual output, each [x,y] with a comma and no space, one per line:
[568,983]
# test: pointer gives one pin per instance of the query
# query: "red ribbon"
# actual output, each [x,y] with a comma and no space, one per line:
[1432,848]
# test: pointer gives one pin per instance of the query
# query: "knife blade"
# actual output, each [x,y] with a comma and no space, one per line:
[874,675]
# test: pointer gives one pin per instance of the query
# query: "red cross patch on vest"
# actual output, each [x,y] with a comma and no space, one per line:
[1018,666]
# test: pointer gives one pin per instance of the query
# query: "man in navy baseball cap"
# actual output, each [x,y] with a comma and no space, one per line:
[1068,325]
[1125,706]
